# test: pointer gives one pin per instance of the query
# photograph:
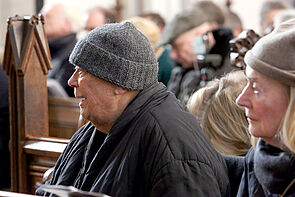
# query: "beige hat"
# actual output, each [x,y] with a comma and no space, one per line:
[274,54]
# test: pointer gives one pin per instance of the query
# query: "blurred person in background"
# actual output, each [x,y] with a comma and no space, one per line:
[234,22]
[215,14]
[222,120]
[156,18]
[200,49]
[163,53]
[269,9]
[97,17]
[60,29]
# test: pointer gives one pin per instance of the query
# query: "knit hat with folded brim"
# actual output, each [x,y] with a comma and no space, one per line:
[119,54]
[274,54]
[181,23]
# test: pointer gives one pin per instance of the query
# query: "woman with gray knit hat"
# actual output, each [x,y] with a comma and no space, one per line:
[269,103]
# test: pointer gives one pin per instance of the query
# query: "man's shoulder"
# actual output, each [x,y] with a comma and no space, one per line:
[171,113]
[179,127]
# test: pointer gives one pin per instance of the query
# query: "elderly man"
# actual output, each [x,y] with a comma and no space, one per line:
[139,141]
[190,34]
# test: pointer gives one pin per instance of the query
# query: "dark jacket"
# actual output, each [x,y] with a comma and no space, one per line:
[184,82]
[62,70]
[154,149]
[4,131]
[267,171]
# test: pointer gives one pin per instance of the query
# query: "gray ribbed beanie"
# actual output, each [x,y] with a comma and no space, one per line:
[119,54]
[274,54]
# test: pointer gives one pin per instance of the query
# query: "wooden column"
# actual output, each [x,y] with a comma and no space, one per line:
[26,61]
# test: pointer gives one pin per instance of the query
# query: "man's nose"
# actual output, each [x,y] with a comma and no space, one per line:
[73,80]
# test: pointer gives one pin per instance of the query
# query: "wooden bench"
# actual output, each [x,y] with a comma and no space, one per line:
[13,194]
[40,128]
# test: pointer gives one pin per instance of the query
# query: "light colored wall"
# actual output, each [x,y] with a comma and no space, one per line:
[247,10]
[85,4]
[166,8]
[249,13]
[9,8]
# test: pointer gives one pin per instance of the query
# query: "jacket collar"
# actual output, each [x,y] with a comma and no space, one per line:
[139,105]
[274,168]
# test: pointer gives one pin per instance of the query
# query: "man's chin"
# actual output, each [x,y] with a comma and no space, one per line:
[83,114]
[187,65]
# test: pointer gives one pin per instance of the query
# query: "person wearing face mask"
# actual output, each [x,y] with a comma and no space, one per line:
[268,99]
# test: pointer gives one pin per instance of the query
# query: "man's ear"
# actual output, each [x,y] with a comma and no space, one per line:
[120,91]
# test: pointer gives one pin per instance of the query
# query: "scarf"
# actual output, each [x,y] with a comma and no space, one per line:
[274,168]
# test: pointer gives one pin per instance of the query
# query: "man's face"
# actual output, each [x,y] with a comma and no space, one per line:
[97,97]
[182,47]
[94,19]
[56,24]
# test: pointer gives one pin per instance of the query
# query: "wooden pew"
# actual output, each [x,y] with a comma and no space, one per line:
[39,128]
[41,155]
[63,116]
[13,194]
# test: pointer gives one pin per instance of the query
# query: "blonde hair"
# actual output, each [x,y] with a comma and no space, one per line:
[288,131]
[222,120]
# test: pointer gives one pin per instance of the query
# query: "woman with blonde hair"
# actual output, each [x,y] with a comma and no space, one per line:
[222,120]
[268,99]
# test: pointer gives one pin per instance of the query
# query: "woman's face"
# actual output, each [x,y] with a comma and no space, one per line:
[265,101]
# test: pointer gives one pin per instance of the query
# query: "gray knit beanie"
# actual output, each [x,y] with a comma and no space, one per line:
[274,54]
[119,54]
